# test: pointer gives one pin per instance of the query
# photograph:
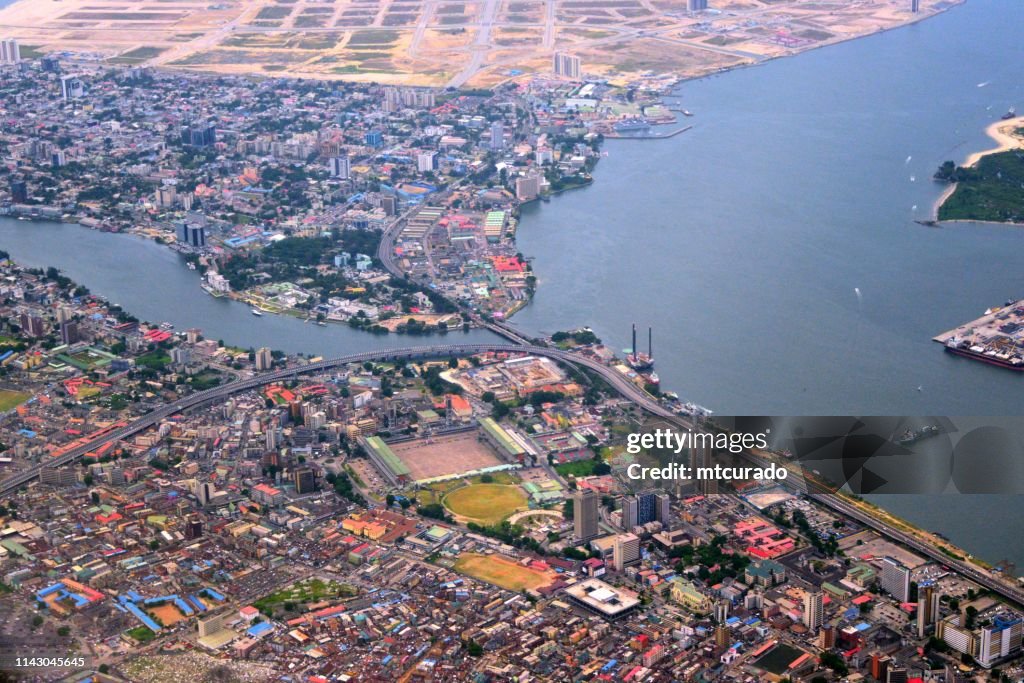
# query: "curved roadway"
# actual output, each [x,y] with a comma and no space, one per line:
[614,379]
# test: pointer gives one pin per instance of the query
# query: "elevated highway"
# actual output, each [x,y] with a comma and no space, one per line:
[615,379]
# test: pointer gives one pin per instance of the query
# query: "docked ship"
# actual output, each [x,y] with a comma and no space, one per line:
[1010,113]
[638,360]
[1005,359]
[630,125]
[693,410]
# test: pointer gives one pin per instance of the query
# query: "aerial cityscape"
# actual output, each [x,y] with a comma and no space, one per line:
[342,341]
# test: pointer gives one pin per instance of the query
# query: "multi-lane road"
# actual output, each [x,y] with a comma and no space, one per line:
[615,379]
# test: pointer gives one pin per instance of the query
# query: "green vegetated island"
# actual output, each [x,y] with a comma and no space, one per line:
[991,189]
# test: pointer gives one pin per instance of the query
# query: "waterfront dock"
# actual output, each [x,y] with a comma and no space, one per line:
[996,338]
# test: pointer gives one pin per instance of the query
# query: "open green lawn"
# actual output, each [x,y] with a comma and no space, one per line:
[486,503]
[12,399]
[141,634]
[302,593]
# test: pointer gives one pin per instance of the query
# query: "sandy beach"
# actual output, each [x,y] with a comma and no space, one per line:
[1004,133]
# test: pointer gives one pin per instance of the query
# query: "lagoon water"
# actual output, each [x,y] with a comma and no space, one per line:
[151,281]
[773,247]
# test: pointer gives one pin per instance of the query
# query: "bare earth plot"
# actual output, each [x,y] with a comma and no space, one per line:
[445,455]
[442,42]
[502,572]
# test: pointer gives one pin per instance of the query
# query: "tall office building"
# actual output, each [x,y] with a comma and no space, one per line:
[564,64]
[703,455]
[927,607]
[304,480]
[722,636]
[814,609]
[880,666]
[896,675]
[32,325]
[199,134]
[497,136]
[264,358]
[10,52]
[662,508]
[895,579]
[915,6]
[644,508]
[340,167]
[69,333]
[721,611]
[630,512]
[58,476]
[625,551]
[71,88]
[584,512]
[181,356]
[696,5]
[827,637]
[426,161]
[193,528]
[19,190]
[204,493]
[191,234]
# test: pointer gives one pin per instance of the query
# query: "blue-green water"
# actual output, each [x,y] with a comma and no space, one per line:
[742,242]
[152,282]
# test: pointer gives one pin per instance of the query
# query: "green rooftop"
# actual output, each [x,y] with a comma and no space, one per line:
[501,437]
[384,452]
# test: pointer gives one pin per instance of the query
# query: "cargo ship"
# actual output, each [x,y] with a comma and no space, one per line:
[631,125]
[1010,113]
[962,347]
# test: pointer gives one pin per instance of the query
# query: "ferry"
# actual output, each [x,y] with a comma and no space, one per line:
[257,312]
[1010,113]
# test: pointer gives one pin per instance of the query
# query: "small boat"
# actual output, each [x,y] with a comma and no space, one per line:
[321,323]
[1010,113]
[687,112]
[257,312]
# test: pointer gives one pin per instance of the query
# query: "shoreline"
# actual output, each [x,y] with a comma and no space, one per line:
[1006,142]
[394,78]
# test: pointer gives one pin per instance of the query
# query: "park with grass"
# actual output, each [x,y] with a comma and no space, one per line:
[297,596]
[502,572]
[9,400]
[485,503]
